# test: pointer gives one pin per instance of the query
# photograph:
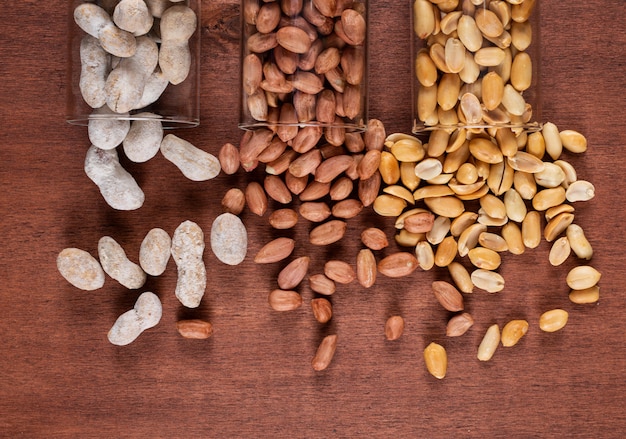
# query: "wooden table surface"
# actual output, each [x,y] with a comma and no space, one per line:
[60,378]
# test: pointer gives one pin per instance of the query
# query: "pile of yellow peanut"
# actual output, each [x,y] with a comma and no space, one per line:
[489,178]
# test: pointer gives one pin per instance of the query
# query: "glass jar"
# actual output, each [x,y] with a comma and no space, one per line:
[134,64]
[304,64]
[475,64]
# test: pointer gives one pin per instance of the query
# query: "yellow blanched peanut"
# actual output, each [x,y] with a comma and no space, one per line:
[521,71]
[492,90]
[573,141]
[425,69]
[579,242]
[513,332]
[178,24]
[489,343]
[582,277]
[436,360]
[424,18]
[552,137]
[553,320]
[588,295]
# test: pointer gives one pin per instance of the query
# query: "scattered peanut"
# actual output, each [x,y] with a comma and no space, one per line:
[339,271]
[394,327]
[145,315]
[115,263]
[398,264]
[293,273]
[187,251]
[448,296]
[194,328]
[459,324]
[366,268]
[229,239]
[144,138]
[283,300]
[436,360]
[80,269]
[118,188]
[321,284]
[325,353]
[582,277]
[328,232]
[234,201]
[194,163]
[275,250]
[374,238]
[513,331]
[489,343]
[322,309]
[553,320]
[154,252]
[587,295]
[106,133]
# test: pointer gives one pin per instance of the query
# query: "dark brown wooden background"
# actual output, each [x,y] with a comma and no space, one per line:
[59,377]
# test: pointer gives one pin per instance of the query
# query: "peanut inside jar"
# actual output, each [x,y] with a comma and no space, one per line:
[475,64]
[304,64]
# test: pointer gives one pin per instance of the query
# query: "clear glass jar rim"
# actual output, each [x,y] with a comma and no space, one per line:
[349,127]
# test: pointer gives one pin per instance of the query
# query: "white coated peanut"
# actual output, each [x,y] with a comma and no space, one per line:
[97,22]
[117,186]
[194,163]
[95,63]
[153,88]
[157,7]
[105,130]
[80,269]
[154,252]
[187,250]
[133,16]
[116,264]
[178,24]
[125,84]
[229,239]
[146,314]
[144,138]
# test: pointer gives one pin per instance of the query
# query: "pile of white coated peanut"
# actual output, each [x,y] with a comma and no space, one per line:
[130,53]
[186,247]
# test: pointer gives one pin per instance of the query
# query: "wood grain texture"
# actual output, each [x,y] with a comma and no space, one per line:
[59,377]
